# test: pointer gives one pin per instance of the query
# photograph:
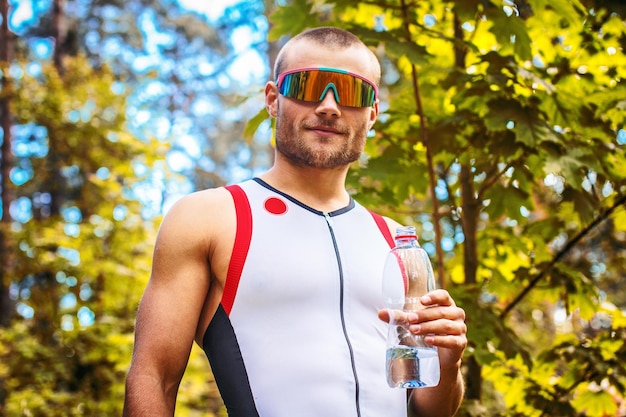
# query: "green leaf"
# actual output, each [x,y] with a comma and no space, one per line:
[570,10]
[507,201]
[595,404]
[253,124]
[567,165]
[290,20]
[416,54]
[511,30]
[525,122]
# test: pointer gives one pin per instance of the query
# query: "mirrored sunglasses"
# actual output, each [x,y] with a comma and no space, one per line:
[312,84]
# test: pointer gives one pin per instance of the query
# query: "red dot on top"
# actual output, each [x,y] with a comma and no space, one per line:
[275,205]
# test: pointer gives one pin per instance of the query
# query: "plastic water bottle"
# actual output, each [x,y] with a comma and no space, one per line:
[408,274]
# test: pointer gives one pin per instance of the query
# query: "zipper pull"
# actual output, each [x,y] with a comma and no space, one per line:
[329,220]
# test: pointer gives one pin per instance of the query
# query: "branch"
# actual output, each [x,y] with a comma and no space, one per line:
[429,157]
[571,244]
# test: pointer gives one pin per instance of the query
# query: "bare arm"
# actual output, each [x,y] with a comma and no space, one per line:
[169,311]
[442,325]
[442,400]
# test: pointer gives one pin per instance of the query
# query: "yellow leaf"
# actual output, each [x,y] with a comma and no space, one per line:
[596,404]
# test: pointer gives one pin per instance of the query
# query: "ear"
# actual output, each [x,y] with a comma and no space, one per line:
[271,98]
[373,115]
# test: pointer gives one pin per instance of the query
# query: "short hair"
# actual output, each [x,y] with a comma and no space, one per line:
[330,36]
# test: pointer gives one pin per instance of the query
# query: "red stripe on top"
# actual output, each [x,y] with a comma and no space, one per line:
[240,248]
[405,276]
[382,225]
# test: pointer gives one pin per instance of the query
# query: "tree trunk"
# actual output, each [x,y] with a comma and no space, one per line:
[54,185]
[469,220]
[6,55]
[59,32]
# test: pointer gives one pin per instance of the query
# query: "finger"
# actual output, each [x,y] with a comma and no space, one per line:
[438,312]
[437,297]
[455,343]
[397,316]
[440,327]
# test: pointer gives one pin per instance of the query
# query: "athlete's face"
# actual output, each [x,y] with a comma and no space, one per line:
[323,134]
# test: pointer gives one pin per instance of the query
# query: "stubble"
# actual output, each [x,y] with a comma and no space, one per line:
[302,147]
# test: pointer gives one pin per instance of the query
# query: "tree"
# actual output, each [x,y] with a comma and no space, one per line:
[6,56]
[77,230]
[502,138]
[86,168]
[6,52]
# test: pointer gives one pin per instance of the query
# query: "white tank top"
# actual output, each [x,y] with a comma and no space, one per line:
[297,332]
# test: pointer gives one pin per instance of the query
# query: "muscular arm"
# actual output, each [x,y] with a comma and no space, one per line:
[442,400]
[168,315]
[443,325]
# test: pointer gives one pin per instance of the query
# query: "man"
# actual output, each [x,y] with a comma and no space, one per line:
[279,278]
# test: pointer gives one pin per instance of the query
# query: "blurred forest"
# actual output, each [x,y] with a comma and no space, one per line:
[502,137]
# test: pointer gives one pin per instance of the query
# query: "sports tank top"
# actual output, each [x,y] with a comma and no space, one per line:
[297,332]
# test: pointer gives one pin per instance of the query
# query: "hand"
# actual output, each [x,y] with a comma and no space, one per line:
[441,323]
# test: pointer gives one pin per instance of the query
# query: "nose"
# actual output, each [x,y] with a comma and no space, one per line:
[328,106]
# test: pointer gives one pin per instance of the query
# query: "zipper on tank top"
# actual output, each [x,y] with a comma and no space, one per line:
[329,222]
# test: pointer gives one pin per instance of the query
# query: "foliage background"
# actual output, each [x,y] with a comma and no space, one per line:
[501,138]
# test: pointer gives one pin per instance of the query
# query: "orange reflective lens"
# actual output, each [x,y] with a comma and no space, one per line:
[312,84]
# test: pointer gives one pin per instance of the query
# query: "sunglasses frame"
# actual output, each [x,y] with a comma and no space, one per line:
[282,75]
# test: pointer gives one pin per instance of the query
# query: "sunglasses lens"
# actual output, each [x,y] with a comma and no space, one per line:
[313,85]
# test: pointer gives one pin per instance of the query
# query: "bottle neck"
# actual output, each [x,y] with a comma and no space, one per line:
[406,237]
[406,241]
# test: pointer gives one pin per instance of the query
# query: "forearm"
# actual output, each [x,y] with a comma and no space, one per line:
[145,396]
[442,400]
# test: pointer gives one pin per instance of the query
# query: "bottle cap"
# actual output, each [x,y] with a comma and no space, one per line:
[405,232]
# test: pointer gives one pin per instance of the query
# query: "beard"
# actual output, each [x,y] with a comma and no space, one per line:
[319,151]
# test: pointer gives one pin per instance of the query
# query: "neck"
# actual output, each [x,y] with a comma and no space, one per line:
[321,189]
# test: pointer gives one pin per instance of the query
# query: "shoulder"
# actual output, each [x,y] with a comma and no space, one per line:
[199,206]
[201,200]
[391,224]
[198,217]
